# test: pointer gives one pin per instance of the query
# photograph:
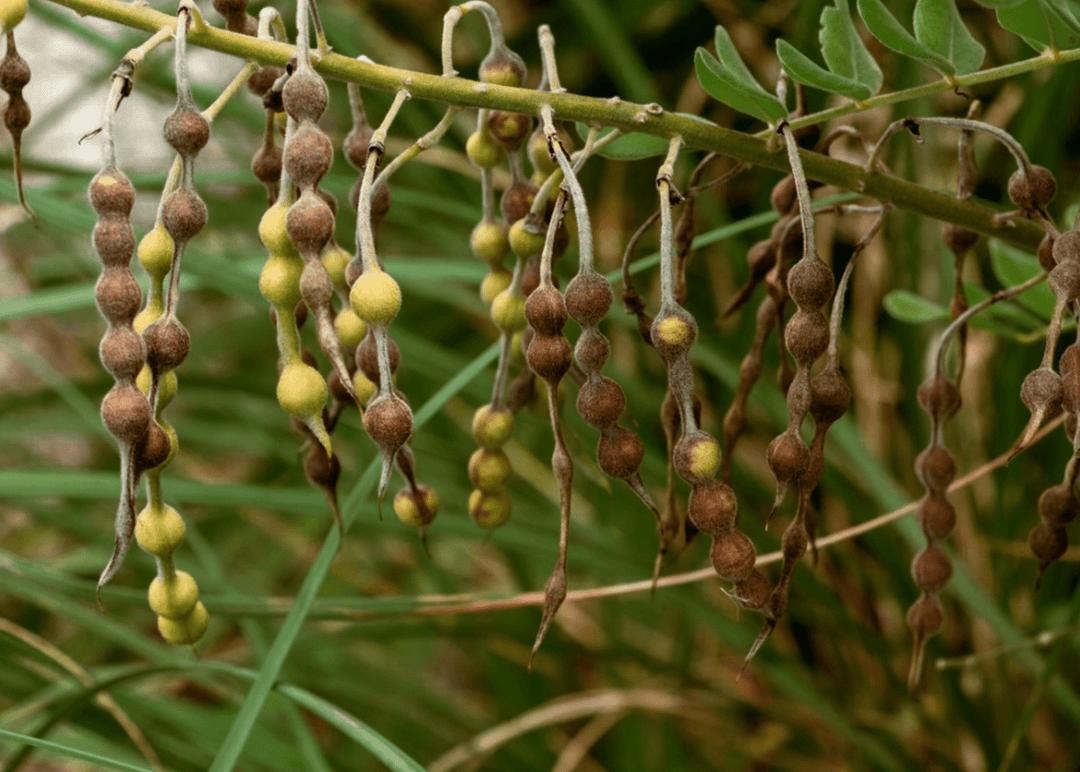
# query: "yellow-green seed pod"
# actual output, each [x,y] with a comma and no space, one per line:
[483,150]
[186,630]
[302,391]
[156,251]
[489,470]
[538,179]
[375,296]
[160,531]
[541,160]
[516,354]
[167,389]
[272,231]
[508,311]
[143,380]
[11,13]
[525,243]
[350,328]
[489,241]
[489,510]
[495,281]
[363,386]
[279,280]
[154,309]
[334,258]
[407,511]
[174,597]
[492,427]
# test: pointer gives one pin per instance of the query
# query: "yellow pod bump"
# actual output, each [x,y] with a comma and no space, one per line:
[302,391]
[160,531]
[156,251]
[174,597]
[279,280]
[350,328]
[186,630]
[272,231]
[508,311]
[375,297]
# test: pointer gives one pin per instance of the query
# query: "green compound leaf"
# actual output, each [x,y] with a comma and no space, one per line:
[1013,266]
[800,68]
[1041,23]
[938,26]
[843,49]
[725,87]
[908,307]
[884,26]
[733,63]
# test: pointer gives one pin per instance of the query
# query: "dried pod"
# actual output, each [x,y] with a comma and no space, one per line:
[308,155]
[310,224]
[936,516]
[600,402]
[509,129]
[516,200]
[713,507]
[588,298]
[1032,192]
[183,214]
[935,468]
[807,336]
[696,457]
[111,193]
[1066,247]
[305,95]
[389,423]
[549,356]
[322,469]
[754,591]
[356,145]
[829,396]
[591,350]
[733,556]
[673,333]
[783,198]
[1042,391]
[266,165]
[187,131]
[114,240]
[957,238]
[1047,543]
[931,569]
[167,344]
[125,413]
[367,357]
[1058,505]
[939,397]
[1069,365]
[153,449]
[1046,253]
[117,295]
[1064,281]
[787,456]
[925,617]
[545,311]
[619,452]
[122,352]
[810,284]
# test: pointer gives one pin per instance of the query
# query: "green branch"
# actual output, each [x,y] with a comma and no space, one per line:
[627,116]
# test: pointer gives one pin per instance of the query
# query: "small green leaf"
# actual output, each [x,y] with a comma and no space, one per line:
[800,68]
[629,147]
[733,63]
[726,88]
[908,307]
[999,3]
[938,26]
[843,49]
[884,26]
[1013,266]
[1038,24]
[1065,15]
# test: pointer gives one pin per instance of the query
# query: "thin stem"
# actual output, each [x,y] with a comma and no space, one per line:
[832,356]
[234,86]
[428,140]
[963,124]
[802,191]
[667,237]
[450,20]
[365,235]
[577,195]
[547,55]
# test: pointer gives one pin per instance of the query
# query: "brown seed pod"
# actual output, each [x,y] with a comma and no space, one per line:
[696,457]
[183,214]
[231,9]
[829,396]
[262,80]
[367,357]
[510,129]
[783,198]
[502,67]
[619,452]
[795,541]
[754,591]
[591,350]
[125,413]
[545,311]
[389,422]
[957,238]
[310,224]
[305,95]
[308,155]
[713,507]
[356,144]
[807,336]
[600,402]
[1032,192]
[114,240]
[316,286]
[549,356]
[16,114]
[187,131]
[733,556]
[111,193]
[117,295]
[588,298]
[14,72]
[1064,281]
[936,516]
[266,165]
[122,352]
[1058,505]
[1046,253]
[935,468]
[380,200]
[760,259]
[787,456]
[1042,390]
[810,284]
[321,469]
[1069,365]
[925,617]
[167,344]
[673,333]
[1047,543]
[939,397]
[516,200]
[1066,247]
[153,449]
[931,569]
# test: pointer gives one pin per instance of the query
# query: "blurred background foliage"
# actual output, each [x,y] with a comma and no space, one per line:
[623,683]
